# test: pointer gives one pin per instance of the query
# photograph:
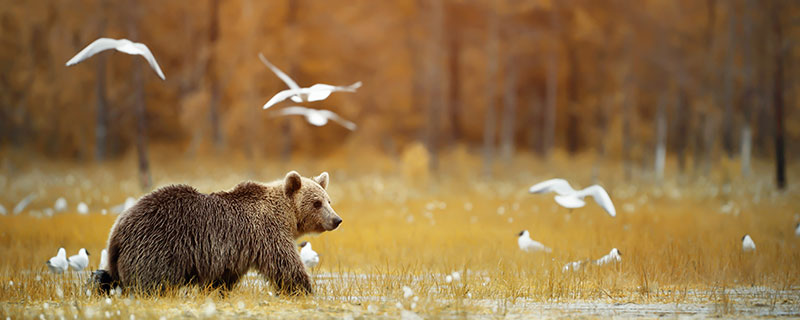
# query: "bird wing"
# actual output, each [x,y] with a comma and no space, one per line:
[559,186]
[342,121]
[145,52]
[93,48]
[286,79]
[321,91]
[280,96]
[293,110]
[570,202]
[601,197]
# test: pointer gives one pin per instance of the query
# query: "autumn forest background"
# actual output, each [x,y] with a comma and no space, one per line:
[697,80]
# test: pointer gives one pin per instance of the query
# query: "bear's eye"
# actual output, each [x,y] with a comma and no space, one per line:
[317,204]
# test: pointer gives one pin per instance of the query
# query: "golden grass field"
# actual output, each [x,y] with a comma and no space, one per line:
[404,226]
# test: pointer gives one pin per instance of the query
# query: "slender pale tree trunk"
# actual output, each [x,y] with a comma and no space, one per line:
[727,100]
[508,118]
[489,127]
[140,110]
[454,60]
[551,93]
[434,68]
[213,108]
[661,138]
[101,120]
[780,160]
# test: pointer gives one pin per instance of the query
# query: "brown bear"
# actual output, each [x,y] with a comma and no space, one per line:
[178,236]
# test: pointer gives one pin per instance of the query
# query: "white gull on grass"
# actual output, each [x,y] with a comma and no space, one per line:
[58,264]
[121,45]
[614,256]
[527,244]
[747,244]
[79,261]
[570,198]
[103,260]
[316,92]
[309,257]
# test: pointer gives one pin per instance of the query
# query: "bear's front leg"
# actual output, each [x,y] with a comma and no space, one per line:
[286,271]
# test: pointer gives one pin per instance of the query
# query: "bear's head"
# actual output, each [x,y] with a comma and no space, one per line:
[311,202]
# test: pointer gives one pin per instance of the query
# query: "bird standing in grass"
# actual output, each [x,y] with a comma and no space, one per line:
[103,260]
[83,208]
[747,244]
[613,256]
[309,256]
[121,45]
[58,264]
[570,198]
[79,261]
[797,230]
[527,244]
[60,205]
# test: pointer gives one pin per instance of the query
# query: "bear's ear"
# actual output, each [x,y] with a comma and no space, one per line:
[291,183]
[322,179]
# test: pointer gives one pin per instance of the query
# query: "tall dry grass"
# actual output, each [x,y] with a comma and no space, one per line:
[680,238]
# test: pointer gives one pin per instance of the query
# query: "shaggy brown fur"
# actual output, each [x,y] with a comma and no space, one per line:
[176,235]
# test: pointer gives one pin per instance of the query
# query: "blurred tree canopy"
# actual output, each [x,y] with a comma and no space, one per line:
[616,77]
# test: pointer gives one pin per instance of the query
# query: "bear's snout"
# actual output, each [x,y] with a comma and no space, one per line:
[336,222]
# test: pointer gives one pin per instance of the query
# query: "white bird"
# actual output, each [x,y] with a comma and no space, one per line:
[83,208]
[613,256]
[103,260]
[316,117]
[316,92]
[58,264]
[24,203]
[3,210]
[574,266]
[571,198]
[797,230]
[748,244]
[79,261]
[309,256]
[527,244]
[121,45]
[456,276]
[61,204]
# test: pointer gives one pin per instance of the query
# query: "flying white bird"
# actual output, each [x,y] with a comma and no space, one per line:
[748,244]
[24,203]
[316,117]
[61,204]
[103,260]
[58,264]
[316,92]
[310,257]
[79,261]
[571,198]
[613,256]
[121,45]
[83,208]
[527,244]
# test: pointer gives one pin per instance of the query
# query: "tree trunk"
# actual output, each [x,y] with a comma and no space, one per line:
[573,129]
[627,119]
[681,126]
[728,72]
[549,134]
[534,123]
[434,68]
[509,113]
[454,59]
[101,120]
[141,127]
[746,148]
[780,160]
[286,127]
[661,138]
[213,108]
[489,127]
